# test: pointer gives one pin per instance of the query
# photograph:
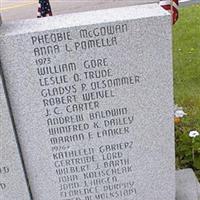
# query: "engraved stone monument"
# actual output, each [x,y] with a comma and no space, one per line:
[91,96]
[13,184]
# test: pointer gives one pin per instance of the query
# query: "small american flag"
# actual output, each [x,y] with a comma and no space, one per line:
[172,7]
[44,9]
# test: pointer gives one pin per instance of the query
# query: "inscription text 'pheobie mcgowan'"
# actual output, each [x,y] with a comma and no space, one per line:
[96,37]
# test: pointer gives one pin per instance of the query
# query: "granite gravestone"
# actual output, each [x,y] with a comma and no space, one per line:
[91,95]
[187,185]
[13,184]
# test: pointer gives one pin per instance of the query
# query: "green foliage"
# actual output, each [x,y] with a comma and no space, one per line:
[186,50]
[187,149]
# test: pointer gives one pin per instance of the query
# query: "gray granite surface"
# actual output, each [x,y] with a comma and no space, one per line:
[187,185]
[198,190]
[12,179]
[91,95]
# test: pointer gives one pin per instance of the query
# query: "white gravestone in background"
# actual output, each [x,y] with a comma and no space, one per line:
[91,95]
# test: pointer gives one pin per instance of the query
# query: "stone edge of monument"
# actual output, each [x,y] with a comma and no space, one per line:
[7,120]
[24,193]
[15,178]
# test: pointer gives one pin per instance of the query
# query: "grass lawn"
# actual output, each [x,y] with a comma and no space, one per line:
[186,50]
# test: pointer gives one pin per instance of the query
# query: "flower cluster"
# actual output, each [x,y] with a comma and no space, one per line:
[178,114]
[194,134]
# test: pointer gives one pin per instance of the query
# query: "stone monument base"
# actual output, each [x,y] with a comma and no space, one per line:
[187,185]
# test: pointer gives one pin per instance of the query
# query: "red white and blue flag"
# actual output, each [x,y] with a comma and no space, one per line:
[172,7]
[44,9]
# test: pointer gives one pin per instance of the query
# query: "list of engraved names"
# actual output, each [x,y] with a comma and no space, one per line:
[74,92]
